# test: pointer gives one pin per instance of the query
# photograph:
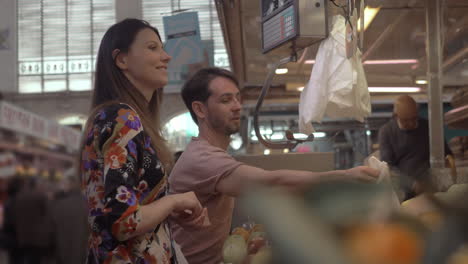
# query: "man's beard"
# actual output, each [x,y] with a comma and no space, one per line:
[232,129]
[229,129]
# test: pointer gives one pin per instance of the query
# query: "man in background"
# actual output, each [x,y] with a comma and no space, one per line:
[404,145]
[69,219]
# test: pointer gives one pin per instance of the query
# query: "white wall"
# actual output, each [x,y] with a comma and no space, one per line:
[8,61]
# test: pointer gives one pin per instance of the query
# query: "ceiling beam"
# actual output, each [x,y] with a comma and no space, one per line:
[388,30]
[456,29]
[229,13]
[454,59]
[453,33]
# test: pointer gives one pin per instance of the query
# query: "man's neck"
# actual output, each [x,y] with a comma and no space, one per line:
[214,138]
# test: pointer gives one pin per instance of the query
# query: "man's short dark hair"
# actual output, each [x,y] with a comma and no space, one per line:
[196,88]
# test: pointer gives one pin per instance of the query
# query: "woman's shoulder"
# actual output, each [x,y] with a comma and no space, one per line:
[113,111]
[115,108]
[114,123]
[118,115]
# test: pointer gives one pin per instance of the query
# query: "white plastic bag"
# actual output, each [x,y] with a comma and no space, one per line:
[384,178]
[337,86]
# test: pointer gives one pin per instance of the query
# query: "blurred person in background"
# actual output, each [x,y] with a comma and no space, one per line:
[32,217]
[69,222]
[404,145]
[212,96]
[8,240]
[124,157]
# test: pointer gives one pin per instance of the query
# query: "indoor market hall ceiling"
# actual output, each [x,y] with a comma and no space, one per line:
[398,32]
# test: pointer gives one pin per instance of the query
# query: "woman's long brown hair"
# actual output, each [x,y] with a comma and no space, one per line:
[112,86]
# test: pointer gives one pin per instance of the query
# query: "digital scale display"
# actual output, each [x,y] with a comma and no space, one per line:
[303,22]
[279,28]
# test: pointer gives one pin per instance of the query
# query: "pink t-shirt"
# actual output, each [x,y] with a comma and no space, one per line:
[199,169]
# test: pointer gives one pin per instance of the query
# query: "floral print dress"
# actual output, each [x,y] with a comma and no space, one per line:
[120,173]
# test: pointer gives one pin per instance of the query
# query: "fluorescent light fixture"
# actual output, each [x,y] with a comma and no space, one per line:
[369,15]
[281,71]
[394,89]
[383,62]
[421,81]
[276,136]
[300,136]
[319,134]
[378,62]
[300,89]
[304,136]
[266,152]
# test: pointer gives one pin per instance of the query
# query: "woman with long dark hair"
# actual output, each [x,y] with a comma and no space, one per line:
[124,157]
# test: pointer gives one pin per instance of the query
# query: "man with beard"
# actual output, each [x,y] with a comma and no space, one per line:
[213,98]
[404,145]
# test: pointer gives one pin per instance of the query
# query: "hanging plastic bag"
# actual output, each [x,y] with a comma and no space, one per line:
[337,87]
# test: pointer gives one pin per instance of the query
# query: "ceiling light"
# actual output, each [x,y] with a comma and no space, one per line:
[394,89]
[300,89]
[266,152]
[319,134]
[281,71]
[304,136]
[369,15]
[421,81]
[383,62]
[402,61]
[300,136]
[276,136]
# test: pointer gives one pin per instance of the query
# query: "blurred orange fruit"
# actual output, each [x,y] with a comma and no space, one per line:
[383,244]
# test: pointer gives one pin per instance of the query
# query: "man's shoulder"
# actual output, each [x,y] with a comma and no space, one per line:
[387,127]
[200,147]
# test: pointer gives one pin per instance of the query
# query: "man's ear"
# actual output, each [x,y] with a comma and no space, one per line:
[120,59]
[199,109]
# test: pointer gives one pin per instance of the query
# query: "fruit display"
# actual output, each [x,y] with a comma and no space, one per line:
[235,249]
[247,246]
[353,223]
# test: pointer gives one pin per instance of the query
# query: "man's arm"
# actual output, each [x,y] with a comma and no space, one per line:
[233,183]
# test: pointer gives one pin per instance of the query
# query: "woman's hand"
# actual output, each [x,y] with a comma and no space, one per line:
[188,212]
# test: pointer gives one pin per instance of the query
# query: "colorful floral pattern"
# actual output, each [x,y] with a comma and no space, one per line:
[121,172]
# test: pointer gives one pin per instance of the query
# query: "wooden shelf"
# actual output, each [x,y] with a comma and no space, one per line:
[457,118]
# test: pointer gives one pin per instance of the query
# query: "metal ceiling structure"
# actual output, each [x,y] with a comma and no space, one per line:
[397,32]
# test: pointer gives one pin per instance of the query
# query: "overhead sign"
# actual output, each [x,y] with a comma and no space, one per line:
[184,45]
